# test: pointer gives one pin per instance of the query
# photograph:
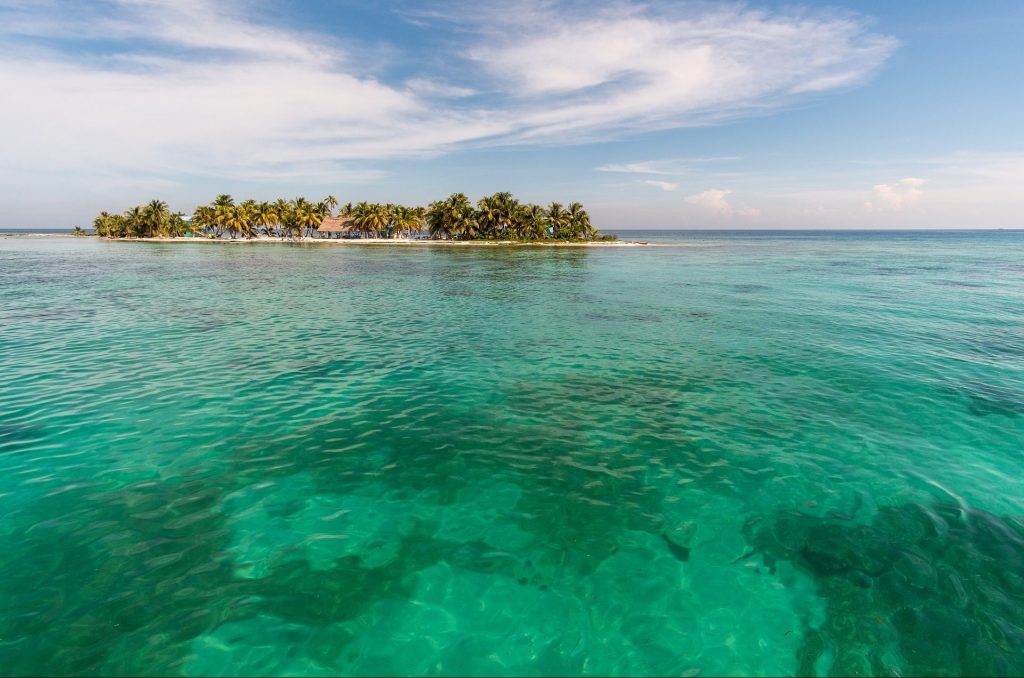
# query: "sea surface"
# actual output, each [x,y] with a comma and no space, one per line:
[728,454]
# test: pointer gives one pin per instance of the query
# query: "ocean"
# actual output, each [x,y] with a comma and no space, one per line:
[729,453]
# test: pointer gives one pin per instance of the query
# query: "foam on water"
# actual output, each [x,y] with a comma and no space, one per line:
[760,456]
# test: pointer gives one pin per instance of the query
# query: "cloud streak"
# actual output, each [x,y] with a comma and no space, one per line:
[629,68]
[634,168]
[209,89]
[663,185]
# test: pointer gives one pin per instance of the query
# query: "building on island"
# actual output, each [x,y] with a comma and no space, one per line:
[338,227]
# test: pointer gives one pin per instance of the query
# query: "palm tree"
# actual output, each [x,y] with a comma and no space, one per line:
[176,225]
[247,211]
[419,215]
[407,219]
[510,214]
[305,216]
[437,224]
[488,216]
[134,220]
[316,215]
[371,218]
[391,214]
[359,212]
[300,211]
[204,219]
[154,218]
[379,218]
[118,226]
[285,216]
[452,218]
[102,224]
[535,223]
[579,222]
[500,216]
[223,211]
[234,220]
[265,215]
[558,219]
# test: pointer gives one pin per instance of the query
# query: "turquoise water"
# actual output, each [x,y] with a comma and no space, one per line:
[732,454]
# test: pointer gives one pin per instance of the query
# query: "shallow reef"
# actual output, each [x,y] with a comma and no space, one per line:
[919,590]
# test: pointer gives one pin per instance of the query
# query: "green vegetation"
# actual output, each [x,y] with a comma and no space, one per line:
[153,219]
[496,217]
[381,220]
[222,217]
[502,217]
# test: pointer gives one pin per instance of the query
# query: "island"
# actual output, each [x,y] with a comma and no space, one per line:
[498,218]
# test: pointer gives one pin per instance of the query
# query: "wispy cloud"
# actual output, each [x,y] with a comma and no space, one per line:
[668,167]
[630,67]
[436,88]
[650,167]
[208,88]
[222,96]
[663,185]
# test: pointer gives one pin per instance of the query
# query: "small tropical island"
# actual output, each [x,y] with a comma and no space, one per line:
[496,218]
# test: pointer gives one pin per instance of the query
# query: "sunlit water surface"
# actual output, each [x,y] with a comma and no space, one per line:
[729,454]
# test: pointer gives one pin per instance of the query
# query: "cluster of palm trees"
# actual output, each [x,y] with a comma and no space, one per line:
[287,218]
[384,220]
[502,217]
[496,217]
[152,219]
[222,217]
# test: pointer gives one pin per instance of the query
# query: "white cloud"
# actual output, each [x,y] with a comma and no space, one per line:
[627,67]
[649,167]
[435,88]
[960,190]
[255,103]
[713,201]
[904,193]
[663,185]
[205,88]
[674,167]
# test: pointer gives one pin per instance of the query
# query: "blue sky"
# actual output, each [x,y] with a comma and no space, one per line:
[654,115]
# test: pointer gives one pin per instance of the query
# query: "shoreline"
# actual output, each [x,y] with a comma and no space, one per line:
[404,242]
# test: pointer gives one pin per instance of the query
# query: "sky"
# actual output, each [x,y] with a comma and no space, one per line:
[869,114]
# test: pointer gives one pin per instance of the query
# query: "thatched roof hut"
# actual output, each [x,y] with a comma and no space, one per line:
[337,225]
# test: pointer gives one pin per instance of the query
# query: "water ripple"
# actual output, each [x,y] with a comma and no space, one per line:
[750,458]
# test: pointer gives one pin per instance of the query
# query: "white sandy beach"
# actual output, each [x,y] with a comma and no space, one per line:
[405,242]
